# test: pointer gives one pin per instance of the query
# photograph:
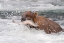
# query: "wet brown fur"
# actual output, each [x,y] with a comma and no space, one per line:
[43,23]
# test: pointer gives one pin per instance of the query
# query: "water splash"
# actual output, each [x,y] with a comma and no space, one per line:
[14,33]
[31,5]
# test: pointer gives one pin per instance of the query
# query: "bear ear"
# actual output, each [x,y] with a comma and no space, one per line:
[36,14]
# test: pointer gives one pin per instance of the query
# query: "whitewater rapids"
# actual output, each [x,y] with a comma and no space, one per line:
[14,33]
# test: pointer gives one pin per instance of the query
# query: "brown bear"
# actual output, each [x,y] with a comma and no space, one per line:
[43,23]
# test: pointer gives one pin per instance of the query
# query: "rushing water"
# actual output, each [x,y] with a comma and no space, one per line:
[34,5]
[14,33]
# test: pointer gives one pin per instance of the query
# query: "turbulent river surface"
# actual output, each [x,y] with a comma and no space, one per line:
[14,33]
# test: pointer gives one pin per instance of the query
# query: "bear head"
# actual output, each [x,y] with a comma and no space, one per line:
[28,15]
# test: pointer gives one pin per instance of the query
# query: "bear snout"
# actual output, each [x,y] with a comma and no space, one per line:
[23,19]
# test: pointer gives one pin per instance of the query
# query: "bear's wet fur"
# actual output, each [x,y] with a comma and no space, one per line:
[43,23]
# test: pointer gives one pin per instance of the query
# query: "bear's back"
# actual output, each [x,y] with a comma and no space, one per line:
[47,25]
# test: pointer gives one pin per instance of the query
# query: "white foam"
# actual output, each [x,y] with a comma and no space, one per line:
[31,5]
[14,33]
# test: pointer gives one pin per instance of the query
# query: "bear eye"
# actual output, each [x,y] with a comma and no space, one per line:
[27,15]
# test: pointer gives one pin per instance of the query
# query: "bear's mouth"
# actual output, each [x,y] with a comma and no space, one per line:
[28,18]
[23,19]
